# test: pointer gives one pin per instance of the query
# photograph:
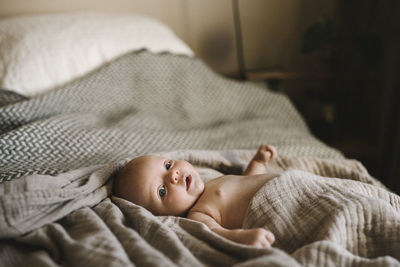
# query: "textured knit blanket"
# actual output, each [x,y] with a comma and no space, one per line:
[144,103]
[59,152]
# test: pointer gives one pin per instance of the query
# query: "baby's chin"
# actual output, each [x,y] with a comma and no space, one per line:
[199,186]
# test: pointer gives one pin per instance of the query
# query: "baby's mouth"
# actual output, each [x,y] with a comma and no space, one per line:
[188,181]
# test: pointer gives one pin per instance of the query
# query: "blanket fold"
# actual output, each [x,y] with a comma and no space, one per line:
[35,200]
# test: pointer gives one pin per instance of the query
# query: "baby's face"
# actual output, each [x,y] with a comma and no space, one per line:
[163,186]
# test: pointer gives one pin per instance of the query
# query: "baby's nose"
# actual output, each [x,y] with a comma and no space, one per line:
[174,176]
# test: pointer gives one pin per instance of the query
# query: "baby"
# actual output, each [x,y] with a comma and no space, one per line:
[173,187]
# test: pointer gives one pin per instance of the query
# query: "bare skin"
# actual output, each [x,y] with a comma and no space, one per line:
[224,203]
[172,187]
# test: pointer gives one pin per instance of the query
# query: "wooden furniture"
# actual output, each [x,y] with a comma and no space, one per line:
[282,75]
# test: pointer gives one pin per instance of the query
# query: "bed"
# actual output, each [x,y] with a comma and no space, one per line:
[76,106]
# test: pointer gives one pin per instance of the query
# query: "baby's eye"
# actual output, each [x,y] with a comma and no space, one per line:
[162,191]
[168,165]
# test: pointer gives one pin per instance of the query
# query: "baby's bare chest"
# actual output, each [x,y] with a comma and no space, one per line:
[226,198]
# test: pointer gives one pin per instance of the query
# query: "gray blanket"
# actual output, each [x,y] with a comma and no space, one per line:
[59,151]
[144,103]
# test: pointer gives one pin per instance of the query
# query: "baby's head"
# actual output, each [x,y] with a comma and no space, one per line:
[163,186]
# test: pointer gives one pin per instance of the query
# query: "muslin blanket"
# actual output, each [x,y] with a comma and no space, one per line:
[71,220]
[329,220]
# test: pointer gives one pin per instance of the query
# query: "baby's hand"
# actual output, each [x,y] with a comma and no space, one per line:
[258,237]
[265,153]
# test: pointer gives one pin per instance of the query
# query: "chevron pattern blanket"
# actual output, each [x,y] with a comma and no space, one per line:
[144,103]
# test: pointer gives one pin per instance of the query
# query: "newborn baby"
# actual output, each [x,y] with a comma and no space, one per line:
[173,187]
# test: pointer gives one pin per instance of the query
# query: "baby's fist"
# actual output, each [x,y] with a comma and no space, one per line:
[258,237]
[265,153]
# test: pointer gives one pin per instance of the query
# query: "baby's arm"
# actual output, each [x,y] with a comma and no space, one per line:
[257,164]
[256,237]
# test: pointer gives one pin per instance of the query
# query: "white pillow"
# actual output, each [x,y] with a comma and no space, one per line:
[40,52]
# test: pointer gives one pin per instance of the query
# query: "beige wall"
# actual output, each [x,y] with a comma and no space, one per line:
[270,28]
